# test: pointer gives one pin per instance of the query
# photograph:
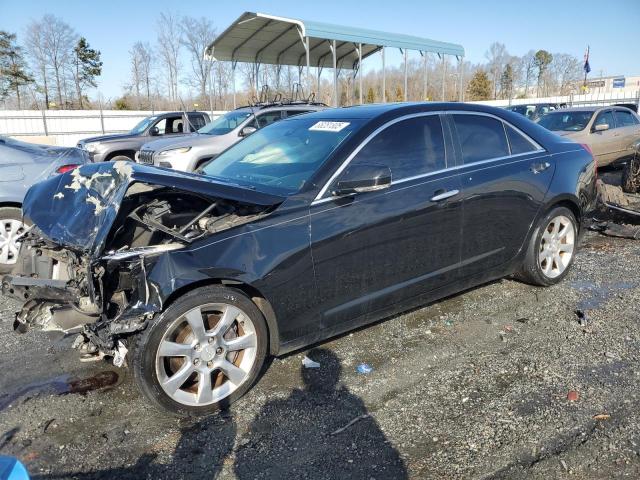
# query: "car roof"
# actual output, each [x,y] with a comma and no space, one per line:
[282,106]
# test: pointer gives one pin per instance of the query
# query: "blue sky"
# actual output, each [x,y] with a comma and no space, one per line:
[610,28]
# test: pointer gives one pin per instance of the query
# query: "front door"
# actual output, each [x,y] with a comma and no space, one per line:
[375,249]
[605,144]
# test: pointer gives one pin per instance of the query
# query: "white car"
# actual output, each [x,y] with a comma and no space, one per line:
[189,152]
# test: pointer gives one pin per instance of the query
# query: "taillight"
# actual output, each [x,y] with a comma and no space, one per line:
[66,168]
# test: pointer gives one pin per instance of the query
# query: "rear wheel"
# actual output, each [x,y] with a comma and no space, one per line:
[11,227]
[551,249]
[203,353]
[631,175]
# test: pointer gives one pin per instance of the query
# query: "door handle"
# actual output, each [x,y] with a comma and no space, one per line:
[539,167]
[444,195]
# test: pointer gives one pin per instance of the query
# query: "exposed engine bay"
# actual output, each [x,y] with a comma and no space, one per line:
[100,289]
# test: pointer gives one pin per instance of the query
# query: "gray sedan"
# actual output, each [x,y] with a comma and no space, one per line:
[21,165]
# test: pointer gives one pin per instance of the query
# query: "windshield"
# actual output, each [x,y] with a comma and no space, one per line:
[280,158]
[566,121]
[143,125]
[225,123]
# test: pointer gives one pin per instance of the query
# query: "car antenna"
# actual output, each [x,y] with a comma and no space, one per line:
[184,111]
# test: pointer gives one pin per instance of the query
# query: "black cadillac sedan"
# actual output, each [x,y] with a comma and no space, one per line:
[306,229]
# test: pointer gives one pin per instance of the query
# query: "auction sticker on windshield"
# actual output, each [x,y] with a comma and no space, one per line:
[329,126]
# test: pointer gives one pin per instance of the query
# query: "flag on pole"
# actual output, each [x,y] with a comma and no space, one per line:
[587,67]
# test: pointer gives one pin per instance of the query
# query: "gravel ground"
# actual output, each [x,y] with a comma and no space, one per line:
[502,381]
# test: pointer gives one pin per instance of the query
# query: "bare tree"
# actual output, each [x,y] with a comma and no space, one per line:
[496,56]
[566,71]
[197,35]
[528,67]
[36,52]
[58,41]
[169,42]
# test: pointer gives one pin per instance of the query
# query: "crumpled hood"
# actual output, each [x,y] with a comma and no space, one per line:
[77,209]
[183,141]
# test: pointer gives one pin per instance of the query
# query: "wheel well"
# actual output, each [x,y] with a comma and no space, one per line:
[571,206]
[10,204]
[256,297]
[127,153]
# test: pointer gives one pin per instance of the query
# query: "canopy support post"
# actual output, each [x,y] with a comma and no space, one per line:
[308,79]
[233,81]
[360,69]
[335,73]
[384,80]
[426,76]
[444,76]
[462,79]
[406,95]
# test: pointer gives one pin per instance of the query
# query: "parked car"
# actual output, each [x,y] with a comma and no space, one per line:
[123,146]
[533,111]
[612,133]
[190,152]
[21,165]
[309,227]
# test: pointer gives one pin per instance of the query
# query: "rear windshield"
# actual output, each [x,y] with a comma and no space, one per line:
[566,121]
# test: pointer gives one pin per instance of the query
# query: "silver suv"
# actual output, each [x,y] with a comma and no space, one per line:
[123,146]
[189,152]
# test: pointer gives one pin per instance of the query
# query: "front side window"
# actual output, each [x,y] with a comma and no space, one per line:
[173,125]
[605,118]
[410,147]
[268,118]
[625,119]
[481,137]
[282,157]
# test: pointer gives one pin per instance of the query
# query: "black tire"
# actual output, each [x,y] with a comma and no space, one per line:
[145,346]
[9,213]
[531,271]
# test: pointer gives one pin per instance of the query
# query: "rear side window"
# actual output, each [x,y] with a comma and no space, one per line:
[625,119]
[481,138]
[293,113]
[518,142]
[197,122]
[409,147]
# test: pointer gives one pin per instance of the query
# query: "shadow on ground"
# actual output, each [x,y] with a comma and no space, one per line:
[319,431]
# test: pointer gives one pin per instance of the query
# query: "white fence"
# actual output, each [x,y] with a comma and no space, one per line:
[591,99]
[66,127]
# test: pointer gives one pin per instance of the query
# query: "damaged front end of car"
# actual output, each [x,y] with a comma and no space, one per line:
[97,231]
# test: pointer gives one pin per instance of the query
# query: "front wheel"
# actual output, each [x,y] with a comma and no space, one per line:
[551,249]
[11,228]
[203,353]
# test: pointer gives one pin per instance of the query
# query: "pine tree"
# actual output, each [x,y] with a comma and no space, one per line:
[371,96]
[506,81]
[13,69]
[479,87]
[87,67]
[399,94]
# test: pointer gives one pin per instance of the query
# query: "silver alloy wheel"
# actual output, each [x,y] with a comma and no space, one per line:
[206,354]
[556,246]
[10,229]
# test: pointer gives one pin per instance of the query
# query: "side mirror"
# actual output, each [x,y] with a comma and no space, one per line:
[154,131]
[246,131]
[601,127]
[363,178]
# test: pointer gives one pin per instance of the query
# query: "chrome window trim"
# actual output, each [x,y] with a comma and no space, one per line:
[320,198]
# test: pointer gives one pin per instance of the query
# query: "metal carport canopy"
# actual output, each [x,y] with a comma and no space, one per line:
[268,39]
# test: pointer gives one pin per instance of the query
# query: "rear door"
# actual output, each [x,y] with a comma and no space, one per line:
[629,128]
[505,176]
[375,249]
